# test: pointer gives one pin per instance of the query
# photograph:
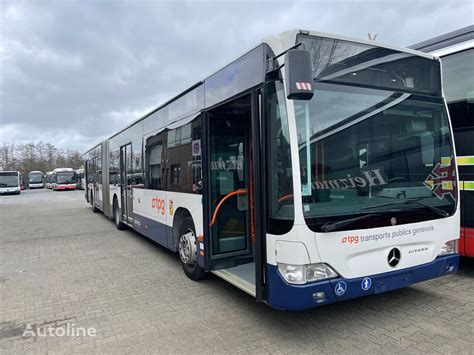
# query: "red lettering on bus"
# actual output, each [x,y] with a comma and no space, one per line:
[158,204]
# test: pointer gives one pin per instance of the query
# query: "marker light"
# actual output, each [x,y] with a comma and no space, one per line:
[450,247]
[301,274]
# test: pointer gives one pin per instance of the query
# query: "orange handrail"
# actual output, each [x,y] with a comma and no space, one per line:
[285,198]
[229,195]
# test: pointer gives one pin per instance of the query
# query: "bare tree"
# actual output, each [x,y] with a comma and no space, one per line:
[37,156]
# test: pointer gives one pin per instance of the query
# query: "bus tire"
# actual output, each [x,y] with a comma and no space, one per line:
[117,217]
[187,250]
[94,208]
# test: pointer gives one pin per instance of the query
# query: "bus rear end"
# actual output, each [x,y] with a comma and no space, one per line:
[376,195]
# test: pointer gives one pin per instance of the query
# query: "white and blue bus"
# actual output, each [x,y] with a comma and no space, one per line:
[313,169]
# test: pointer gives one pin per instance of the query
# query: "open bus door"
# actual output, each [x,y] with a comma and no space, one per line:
[230,198]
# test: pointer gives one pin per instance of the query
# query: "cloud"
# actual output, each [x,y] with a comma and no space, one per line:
[74,72]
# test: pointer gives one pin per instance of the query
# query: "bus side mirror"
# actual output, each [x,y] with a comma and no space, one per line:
[298,75]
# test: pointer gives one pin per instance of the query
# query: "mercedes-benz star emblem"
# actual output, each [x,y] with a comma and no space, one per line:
[393,221]
[394,257]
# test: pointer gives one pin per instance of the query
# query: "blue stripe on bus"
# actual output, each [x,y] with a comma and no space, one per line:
[156,231]
[297,297]
[159,233]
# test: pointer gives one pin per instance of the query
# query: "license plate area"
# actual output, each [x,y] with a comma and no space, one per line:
[393,282]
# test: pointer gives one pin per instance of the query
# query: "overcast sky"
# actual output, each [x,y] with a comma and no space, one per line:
[75,72]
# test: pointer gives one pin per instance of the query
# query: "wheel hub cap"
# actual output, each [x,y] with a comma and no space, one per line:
[187,248]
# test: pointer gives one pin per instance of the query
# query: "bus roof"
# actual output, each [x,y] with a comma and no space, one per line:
[446,40]
[58,170]
[279,43]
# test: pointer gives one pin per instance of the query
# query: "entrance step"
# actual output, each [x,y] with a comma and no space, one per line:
[241,276]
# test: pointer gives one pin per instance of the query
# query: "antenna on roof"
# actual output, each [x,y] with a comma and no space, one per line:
[371,36]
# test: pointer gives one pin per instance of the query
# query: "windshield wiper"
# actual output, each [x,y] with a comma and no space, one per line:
[416,201]
[329,227]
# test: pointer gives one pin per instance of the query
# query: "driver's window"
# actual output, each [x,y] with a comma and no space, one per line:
[280,177]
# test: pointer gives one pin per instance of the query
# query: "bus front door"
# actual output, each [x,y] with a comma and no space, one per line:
[228,192]
[126,191]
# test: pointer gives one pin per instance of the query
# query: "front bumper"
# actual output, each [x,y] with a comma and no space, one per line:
[65,187]
[10,192]
[297,297]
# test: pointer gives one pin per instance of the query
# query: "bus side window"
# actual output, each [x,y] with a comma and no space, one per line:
[183,158]
[154,167]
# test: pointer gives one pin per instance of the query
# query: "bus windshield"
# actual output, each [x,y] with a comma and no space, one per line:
[36,178]
[360,147]
[9,179]
[66,177]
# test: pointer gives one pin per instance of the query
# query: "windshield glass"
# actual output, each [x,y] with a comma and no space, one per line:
[374,139]
[353,63]
[9,180]
[36,178]
[362,147]
[67,177]
[280,177]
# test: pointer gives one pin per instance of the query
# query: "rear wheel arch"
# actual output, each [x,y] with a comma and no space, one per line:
[185,238]
[116,214]
[94,207]
[115,201]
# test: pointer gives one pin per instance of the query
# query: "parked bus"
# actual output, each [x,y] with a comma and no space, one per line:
[10,183]
[315,168]
[64,179]
[35,179]
[80,179]
[456,50]
[48,180]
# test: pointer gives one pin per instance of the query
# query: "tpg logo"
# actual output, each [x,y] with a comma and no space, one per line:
[159,204]
[351,239]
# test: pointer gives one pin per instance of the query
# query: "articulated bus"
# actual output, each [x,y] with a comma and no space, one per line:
[10,183]
[456,50]
[314,168]
[35,180]
[63,179]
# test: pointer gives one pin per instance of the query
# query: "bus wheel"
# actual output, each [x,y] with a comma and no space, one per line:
[187,248]
[117,218]
[94,208]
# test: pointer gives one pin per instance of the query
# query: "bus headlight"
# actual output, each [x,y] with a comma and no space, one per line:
[316,272]
[301,274]
[450,247]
